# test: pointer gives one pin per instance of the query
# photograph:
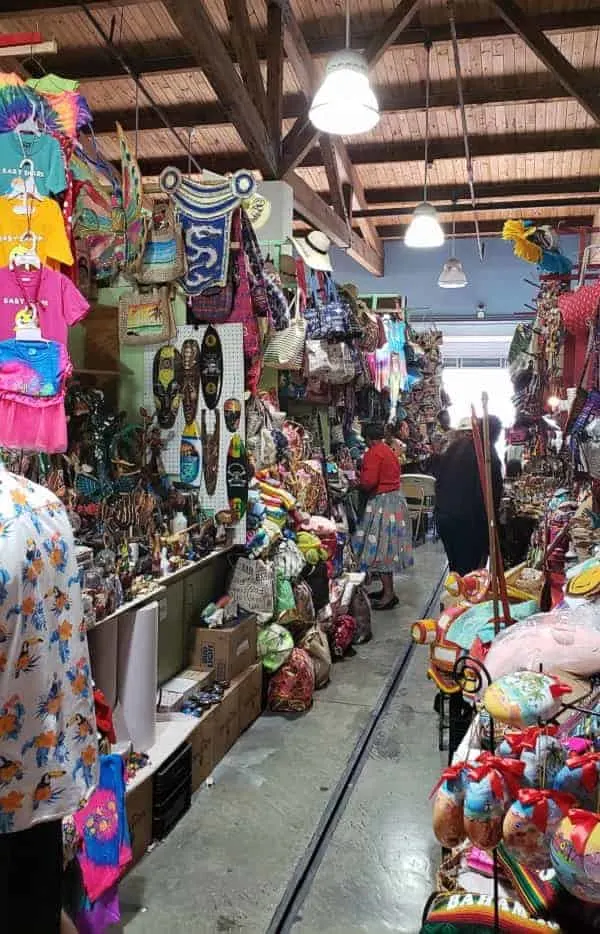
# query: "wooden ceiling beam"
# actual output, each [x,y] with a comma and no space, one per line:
[397,98]
[529,31]
[515,191]
[490,228]
[205,43]
[334,179]
[390,29]
[275,56]
[367,228]
[482,147]
[537,204]
[242,40]
[320,216]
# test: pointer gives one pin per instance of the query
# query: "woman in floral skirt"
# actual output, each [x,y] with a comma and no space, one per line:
[383,542]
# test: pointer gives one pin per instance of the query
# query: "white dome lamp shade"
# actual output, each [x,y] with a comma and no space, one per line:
[452,275]
[425,231]
[345,104]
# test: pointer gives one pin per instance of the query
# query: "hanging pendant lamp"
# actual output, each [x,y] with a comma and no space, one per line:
[452,275]
[425,231]
[345,104]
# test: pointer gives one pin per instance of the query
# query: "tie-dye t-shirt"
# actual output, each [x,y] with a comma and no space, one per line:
[48,748]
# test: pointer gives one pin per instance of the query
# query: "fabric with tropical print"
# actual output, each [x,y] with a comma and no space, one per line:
[48,762]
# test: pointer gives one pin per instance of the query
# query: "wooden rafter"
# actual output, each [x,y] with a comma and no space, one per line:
[275,54]
[528,29]
[203,40]
[390,29]
[319,215]
[535,205]
[334,179]
[367,227]
[242,40]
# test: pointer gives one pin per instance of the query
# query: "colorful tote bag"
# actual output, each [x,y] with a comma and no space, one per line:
[146,317]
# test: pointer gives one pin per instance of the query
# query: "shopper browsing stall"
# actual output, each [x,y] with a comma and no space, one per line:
[383,542]
[49,763]
[460,507]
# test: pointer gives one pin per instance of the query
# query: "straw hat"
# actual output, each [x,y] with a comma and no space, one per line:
[465,424]
[314,250]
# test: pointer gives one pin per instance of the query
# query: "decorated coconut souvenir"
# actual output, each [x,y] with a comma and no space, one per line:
[492,784]
[579,777]
[530,823]
[575,854]
[448,821]
[523,698]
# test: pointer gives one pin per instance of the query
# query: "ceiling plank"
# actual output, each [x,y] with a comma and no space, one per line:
[200,33]
[390,29]
[242,40]
[410,151]
[529,31]
[398,98]
[275,55]
[334,179]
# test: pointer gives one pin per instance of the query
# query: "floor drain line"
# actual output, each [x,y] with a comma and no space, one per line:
[287,912]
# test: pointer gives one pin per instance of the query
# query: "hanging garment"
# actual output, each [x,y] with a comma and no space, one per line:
[32,368]
[102,824]
[46,158]
[57,302]
[204,211]
[45,222]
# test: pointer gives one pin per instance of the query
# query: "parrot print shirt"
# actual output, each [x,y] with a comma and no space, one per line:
[48,747]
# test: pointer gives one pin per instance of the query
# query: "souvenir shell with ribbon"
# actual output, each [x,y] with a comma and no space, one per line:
[448,820]
[579,776]
[575,854]
[492,784]
[540,751]
[523,698]
[530,823]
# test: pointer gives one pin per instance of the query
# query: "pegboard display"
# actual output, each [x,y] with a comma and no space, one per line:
[231,337]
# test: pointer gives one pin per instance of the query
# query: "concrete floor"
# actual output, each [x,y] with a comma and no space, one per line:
[227,864]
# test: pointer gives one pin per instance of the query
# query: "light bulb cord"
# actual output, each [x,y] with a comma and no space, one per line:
[427,92]
[347,24]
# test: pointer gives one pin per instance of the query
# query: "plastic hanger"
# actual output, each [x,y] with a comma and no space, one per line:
[29,125]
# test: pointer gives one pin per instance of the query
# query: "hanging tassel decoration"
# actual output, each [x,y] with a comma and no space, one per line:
[523,247]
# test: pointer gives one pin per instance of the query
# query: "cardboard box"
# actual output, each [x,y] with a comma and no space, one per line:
[250,695]
[138,804]
[229,650]
[203,748]
[227,722]
[174,691]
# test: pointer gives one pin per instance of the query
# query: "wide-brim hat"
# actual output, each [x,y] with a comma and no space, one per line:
[465,424]
[314,250]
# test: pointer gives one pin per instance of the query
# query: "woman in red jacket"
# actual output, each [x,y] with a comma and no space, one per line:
[383,542]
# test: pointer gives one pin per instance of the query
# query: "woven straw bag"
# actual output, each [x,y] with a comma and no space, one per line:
[285,349]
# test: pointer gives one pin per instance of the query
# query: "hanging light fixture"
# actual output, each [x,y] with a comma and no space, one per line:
[424,231]
[452,275]
[345,104]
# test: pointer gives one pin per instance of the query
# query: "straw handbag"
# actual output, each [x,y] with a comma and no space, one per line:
[146,317]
